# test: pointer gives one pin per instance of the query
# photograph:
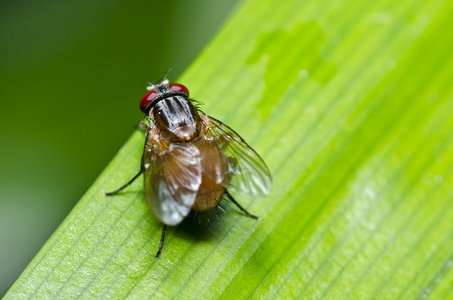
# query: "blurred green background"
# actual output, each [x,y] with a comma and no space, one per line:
[72,74]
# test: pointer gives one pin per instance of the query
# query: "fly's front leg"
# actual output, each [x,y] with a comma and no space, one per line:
[142,126]
[126,185]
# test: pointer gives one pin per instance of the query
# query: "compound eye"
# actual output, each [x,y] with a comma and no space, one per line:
[147,99]
[177,87]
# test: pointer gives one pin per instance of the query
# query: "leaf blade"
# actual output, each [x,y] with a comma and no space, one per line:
[350,143]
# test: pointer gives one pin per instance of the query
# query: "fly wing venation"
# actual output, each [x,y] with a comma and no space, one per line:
[248,174]
[172,178]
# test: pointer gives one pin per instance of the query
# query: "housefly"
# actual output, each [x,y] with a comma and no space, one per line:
[190,160]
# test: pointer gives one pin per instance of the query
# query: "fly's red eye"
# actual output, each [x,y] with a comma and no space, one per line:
[176,87]
[147,99]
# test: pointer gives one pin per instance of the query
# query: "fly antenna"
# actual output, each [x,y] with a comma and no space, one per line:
[165,76]
[151,86]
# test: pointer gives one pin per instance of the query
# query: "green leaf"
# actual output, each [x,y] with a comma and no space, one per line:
[350,104]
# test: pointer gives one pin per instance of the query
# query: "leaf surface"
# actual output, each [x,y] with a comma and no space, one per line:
[349,103]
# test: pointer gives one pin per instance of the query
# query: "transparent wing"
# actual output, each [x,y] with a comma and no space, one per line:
[172,178]
[248,174]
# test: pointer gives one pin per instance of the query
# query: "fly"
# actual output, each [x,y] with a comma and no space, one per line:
[190,160]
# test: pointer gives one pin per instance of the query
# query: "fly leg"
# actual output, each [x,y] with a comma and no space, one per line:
[124,186]
[142,126]
[161,240]
[238,205]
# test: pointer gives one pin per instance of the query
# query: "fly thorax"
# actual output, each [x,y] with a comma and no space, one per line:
[178,117]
